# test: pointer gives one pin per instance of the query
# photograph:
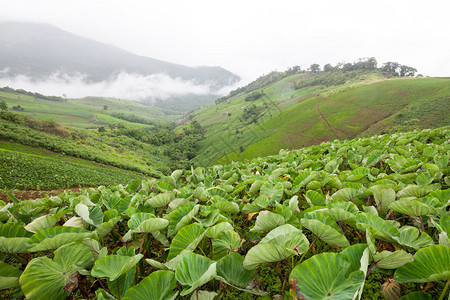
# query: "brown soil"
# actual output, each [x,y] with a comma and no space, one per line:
[34,194]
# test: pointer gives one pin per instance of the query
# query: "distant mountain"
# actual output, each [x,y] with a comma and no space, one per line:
[39,50]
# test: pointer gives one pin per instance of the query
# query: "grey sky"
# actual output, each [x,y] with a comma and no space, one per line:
[252,37]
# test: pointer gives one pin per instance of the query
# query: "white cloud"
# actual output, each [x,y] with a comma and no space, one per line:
[124,85]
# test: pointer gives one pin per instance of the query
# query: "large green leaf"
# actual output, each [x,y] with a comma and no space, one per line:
[187,238]
[382,229]
[392,260]
[267,221]
[383,197]
[113,266]
[412,207]
[411,237]
[273,192]
[146,222]
[230,270]
[90,214]
[289,237]
[9,276]
[325,276]
[227,241]
[13,238]
[158,285]
[324,228]
[194,270]
[55,237]
[264,253]
[160,200]
[41,223]
[430,264]
[346,194]
[43,277]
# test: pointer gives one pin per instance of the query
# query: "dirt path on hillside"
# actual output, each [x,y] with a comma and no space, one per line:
[95,118]
[328,124]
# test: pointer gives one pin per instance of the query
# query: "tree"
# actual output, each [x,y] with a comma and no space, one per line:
[314,68]
[328,68]
[406,71]
[3,105]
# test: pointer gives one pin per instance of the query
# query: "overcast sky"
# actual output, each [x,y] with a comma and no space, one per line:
[253,37]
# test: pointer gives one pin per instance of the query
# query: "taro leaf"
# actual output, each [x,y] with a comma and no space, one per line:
[383,197]
[90,214]
[185,213]
[430,264]
[41,223]
[113,266]
[264,253]
[43,277]
[314,198]
[289,237]
[194,270]
[380,228]
[203,295]
[9,276]
[256,186]
[158,285]
[392,260]
[412,238]
[146,222]
[274,192]
[358,255]
[412,207]
[230,270]
[267,221]
[416,296]
[106,227]
[137,218]
[391,290]
[160,200]
[74,222]
[227,207]
[324,228]
[13,238]
[341,211]
[214,232]
[227,241]
[325,276]
[55,237]
[133,186]
[117,203]
[219,192]
[416,191]
[187,238]
[425,178]
[346,194]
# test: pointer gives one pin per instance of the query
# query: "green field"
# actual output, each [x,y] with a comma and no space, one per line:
[85,112]
[298,118]
[28,171]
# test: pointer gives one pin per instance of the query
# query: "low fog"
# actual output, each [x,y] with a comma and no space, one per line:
[148,88]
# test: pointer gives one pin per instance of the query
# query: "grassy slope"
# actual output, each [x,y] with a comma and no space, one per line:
[80,112]
[363,107]
[25,167]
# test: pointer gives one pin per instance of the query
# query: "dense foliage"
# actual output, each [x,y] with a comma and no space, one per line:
[312,223]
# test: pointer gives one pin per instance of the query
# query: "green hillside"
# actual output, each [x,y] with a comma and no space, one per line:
[85,112]
[304,109]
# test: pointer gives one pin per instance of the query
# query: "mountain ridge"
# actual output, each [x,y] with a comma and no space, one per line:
[38,50]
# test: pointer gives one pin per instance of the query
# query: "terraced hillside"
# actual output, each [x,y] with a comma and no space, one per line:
[288,118]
